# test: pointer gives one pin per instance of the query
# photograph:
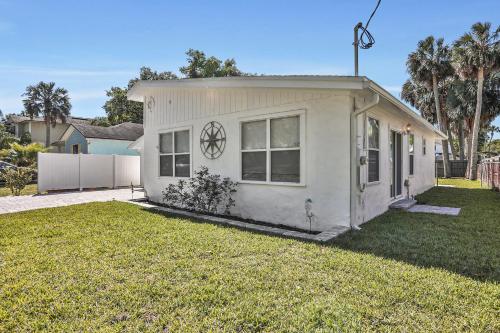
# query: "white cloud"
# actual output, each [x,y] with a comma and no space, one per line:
[14,104]
[63,71]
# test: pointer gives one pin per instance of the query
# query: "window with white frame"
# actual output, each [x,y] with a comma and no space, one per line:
[424,146]
[373,150]
[271,149]
[411,152]
[175,154]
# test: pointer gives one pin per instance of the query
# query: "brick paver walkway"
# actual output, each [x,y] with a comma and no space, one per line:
[28,202]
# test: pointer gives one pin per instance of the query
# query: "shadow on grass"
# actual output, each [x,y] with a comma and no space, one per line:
[468,244]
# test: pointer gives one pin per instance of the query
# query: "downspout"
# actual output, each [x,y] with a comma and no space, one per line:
[354,158]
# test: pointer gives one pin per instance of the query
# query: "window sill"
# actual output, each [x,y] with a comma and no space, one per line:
[271,183]
[171,177]
[373,183]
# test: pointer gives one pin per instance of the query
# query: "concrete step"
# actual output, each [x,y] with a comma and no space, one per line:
[403,204]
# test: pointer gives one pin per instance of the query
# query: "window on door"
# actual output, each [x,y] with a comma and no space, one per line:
[411,153]
[75,149]
[175,154]
[373,150]
[271,150]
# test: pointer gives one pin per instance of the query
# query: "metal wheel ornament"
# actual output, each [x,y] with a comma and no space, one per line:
[150,104]
[212,140]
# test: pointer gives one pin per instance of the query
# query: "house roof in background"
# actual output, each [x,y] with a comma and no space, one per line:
[69,120]
[124,131]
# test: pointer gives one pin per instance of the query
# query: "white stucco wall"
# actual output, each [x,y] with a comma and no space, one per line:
[38,132]
[376,198]
[326,149]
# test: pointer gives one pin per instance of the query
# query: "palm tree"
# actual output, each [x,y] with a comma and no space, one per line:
[475,55]
[429,65]
[44,100]
[461,105]
[418,96]
[492,129]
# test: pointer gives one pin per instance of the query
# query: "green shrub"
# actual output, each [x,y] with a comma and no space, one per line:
[16,179]
[205,192]
[23,155]
[25,138]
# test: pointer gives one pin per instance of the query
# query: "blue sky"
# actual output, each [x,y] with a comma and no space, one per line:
[89,46]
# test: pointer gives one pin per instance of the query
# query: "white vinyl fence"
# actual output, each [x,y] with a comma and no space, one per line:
[79,171]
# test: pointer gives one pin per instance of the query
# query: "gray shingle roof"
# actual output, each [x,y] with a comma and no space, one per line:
[124,131]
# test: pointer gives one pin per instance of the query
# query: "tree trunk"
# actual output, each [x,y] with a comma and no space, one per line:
[477,122]
[461,140]
[444,143]
[450,137]
[47,134]
[469,144]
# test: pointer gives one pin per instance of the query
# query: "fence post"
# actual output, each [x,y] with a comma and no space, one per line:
[114,170]
[38,171]
[80,171]
[481,173]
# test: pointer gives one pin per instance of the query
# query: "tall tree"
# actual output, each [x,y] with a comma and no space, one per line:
[47,101]
[119,109]
[461,105]
[475,55]
[429,65]
[492,129]
[198,66]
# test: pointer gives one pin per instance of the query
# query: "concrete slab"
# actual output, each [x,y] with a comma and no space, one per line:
[403,204]
[21,203]
[435,210]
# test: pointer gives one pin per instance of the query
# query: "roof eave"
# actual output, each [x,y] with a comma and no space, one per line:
[140,88]
[405,109]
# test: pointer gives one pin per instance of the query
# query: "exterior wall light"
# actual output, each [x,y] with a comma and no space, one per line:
[408,128]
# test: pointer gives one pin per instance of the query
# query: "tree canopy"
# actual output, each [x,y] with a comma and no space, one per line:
[119,109]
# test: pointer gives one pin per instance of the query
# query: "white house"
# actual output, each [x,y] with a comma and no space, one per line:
[345,143]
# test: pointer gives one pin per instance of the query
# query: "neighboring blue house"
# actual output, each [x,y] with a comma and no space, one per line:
[89,139]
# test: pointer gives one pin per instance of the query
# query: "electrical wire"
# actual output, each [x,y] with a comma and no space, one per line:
[369,43]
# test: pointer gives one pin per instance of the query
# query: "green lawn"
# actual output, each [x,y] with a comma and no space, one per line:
[28,190]
[460,182]
[114,267]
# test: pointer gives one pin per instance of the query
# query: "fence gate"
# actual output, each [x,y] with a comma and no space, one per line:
[79,171]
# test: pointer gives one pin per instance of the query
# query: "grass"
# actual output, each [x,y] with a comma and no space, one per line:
[114,267]
[30,189]
[460,182]
[468,244]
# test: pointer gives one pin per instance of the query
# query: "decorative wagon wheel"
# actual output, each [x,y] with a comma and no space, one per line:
[213,140]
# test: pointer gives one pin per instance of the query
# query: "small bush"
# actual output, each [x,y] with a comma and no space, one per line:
[25,139]
[23,155]
[16,179]
[205,192]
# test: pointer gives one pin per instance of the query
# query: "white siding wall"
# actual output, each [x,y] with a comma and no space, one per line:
[326,147]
